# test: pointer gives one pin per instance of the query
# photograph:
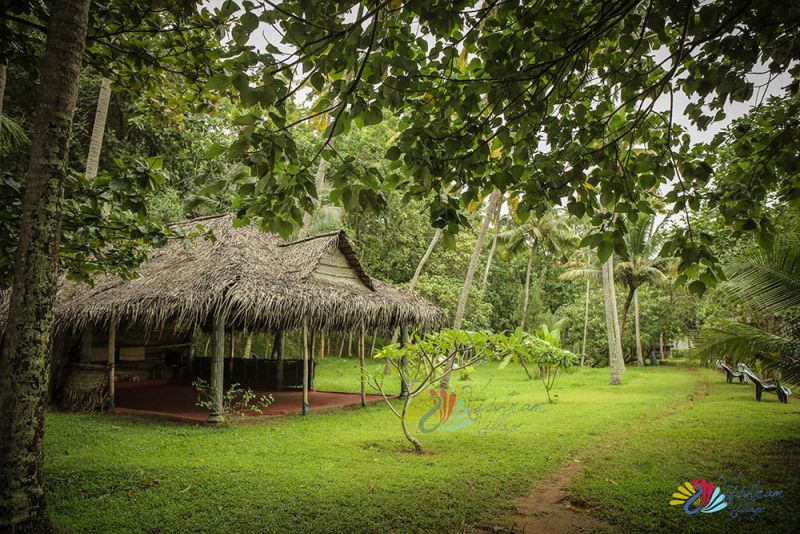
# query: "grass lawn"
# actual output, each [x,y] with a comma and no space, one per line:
[350,470]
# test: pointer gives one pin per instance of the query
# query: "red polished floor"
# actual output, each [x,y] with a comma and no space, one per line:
[163,398]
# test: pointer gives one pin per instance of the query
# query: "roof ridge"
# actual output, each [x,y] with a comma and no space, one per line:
[309,238]
[198,219]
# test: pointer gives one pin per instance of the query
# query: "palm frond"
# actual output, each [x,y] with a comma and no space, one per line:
[575,274]
[768,280]
[11,133]
[739,341]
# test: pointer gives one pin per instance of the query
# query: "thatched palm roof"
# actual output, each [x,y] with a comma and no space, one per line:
[255,279]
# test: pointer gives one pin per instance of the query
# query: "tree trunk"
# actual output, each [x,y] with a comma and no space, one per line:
[27,340]
[436,235]
[625,308]
[527,288]
[98,129]
[403,362]
[661,346]
[612,324]
[319,181]
[2,83]
[414,441]
[585,325]
[485,279]
[639,355]
[217,378]
[473,263]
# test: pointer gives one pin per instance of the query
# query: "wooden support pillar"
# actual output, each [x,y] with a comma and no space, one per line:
[277,354]
[190,356]
[311,360]
[361,351]
[112,351]
[403,361]
[248,345]
[86,345]
[218,369]
[305,367]
[230,359]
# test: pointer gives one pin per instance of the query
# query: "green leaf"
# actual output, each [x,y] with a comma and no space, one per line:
[217,82]
[697,288]
[373,116]
[214,151]
[155,163]
[393,153]
[604,250]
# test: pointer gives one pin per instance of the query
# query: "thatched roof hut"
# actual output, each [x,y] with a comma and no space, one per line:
[253,279]
[241,279]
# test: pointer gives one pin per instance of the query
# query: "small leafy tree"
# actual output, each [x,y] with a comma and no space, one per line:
[422,363]
[236,399]
[521,347]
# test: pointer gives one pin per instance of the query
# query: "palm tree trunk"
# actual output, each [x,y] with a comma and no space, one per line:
[639,355]
[616,364]
[473,263]
[2,83]
[319,181]
[527,288]
[625,308]
[27,341]
[435,239]
[98,129]
[485,279]
[585,325]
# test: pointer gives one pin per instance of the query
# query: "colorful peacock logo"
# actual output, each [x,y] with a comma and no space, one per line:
[699,497]
[445,405]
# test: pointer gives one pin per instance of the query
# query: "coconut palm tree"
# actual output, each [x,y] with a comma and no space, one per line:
[640,266]
[493,247]
[551,233]
[98,128]
[494,199]
[581,262]
[616,362]
[766,283]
